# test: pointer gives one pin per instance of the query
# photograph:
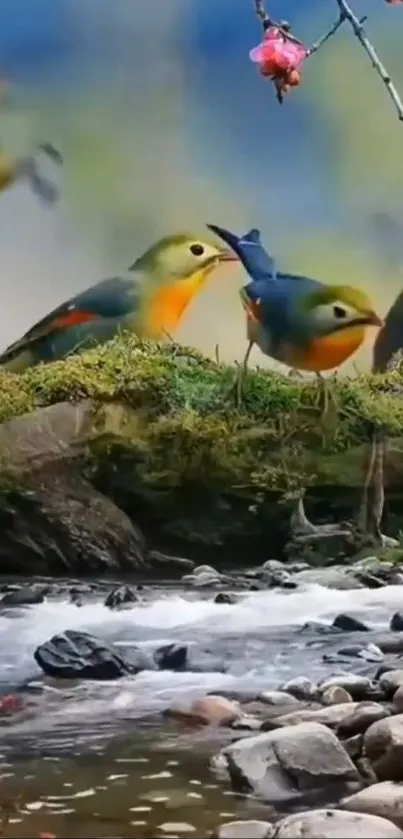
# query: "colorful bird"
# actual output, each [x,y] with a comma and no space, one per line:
[299,321]
[27,168]
[150,301]
[389,339]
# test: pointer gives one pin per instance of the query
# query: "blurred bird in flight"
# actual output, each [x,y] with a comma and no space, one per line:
[296,320]
[27,168]
[149,301]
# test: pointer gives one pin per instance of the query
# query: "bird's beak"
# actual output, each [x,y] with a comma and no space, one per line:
[229,238]
[374,319]
[226,255]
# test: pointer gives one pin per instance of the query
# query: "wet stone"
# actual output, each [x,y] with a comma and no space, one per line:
[334,695]
[122,597]
[359,687]
[280,765]
[336,824]
[383,799]
[349,624]
[24,596]
[300,688]
[383,744]
[250,829]
[396,622]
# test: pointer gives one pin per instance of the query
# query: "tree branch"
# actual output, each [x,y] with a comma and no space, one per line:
[359,32]
[346,14]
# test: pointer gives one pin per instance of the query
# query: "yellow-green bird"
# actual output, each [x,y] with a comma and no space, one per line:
[149,301]
[15,169]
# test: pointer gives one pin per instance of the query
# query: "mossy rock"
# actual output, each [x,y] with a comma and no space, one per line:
[161,429]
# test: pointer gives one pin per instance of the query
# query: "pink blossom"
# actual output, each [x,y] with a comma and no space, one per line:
[278,54]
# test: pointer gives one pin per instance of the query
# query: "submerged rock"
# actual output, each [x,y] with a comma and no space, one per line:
[121,598]
[208,710]
[336,824]
[283,764]
[24,596]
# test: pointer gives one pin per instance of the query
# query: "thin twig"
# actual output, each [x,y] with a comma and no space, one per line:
[284,27]
[333,29]
[360,33]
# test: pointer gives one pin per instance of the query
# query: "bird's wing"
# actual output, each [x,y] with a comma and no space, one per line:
[112,298]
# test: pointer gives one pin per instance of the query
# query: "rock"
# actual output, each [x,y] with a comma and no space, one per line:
[273,566]
[396,622]
[55,519]
[369,652]
[300,688]
[384,799]
[331,716]
[250,829]
[24,596]
[335,695]
[320,628]
[391,644]
[171,657]
[205,569]
[121,598]
[397,701]
[278,698]
[338,578]
[208,710]
[359,687]
[349,624]
[203,575]
[285,763]
[336,824]
[391,681]
[383,744]
[161,562]
[77,655]
[353,747]
[223,597]
[360,718]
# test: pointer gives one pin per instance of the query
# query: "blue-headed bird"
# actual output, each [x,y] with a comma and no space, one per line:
[149,301]
[297,320]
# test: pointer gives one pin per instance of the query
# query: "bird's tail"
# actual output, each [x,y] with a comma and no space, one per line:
[46,191]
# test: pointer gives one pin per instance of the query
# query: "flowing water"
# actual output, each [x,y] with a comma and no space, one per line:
[84,759]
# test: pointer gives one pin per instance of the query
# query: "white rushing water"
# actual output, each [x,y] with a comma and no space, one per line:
[256,637]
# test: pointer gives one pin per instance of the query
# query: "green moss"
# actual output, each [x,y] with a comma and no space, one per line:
[170,408]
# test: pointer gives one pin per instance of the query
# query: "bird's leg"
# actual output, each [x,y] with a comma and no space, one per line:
[242,372]
[329,413]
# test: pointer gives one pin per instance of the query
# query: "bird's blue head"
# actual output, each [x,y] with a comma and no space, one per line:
[249,249]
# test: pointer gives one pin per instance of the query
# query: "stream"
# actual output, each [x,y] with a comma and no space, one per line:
[101,758]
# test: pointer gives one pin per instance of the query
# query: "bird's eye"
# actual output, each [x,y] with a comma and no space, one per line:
[196,249]
[339,312]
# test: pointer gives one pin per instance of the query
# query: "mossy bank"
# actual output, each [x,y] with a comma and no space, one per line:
[154,428]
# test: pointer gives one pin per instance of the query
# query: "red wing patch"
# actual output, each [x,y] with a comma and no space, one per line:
[253,310]
[72,318]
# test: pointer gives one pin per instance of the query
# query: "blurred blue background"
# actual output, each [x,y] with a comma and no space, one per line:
[165,124]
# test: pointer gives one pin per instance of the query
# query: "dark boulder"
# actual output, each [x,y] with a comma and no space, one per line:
[77,655]
[121,598]
[349,624]
[24,596]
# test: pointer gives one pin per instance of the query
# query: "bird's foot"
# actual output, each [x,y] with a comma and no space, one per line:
[329,416]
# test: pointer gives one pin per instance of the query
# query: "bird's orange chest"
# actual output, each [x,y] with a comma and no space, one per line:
[168,304]
[329,351]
